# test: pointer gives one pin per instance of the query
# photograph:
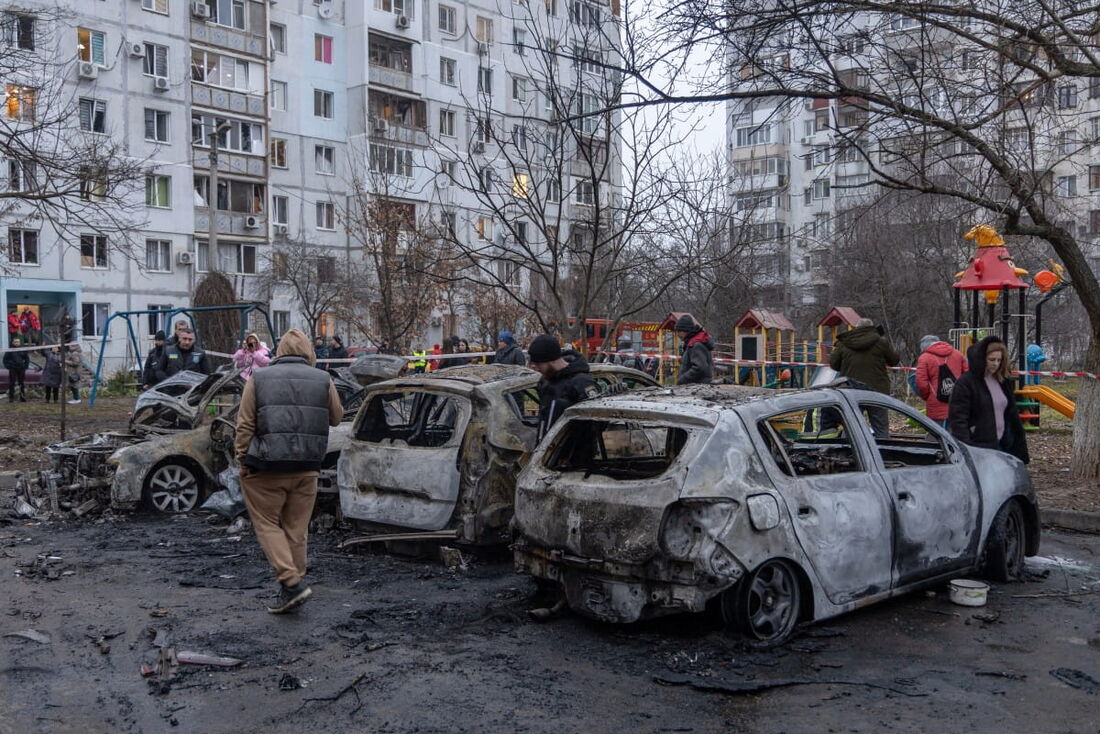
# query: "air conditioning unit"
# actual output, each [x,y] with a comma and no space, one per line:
[87,70]
[137,50]
[325,10]
[808,140]
[252,222]
[185,258]
[280,228]
[160,84]
[380,125]
[402,21]
[478,147]
[482,49]
[199,9]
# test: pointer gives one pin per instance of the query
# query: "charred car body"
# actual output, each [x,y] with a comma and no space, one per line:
[438,453]
[785,507]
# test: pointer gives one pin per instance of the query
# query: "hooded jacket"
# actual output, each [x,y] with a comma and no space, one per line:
[286,411]
[152,359]
[697,363]
[17,361]
[863,354]
[970,413]
[563,389]
[928,375]
[511,354]
[247,361]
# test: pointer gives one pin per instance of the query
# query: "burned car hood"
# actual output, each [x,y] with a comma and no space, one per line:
[176,403]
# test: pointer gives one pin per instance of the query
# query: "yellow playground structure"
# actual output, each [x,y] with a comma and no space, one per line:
[1049,397]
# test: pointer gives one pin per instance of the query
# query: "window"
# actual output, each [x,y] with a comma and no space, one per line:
[485,179]
[158,256]
[904,441]
[93,251]
[483,30]
[91,46]
[519,88]
[156,125]
[1066,186]
[227,12]
[280,209]
[225,71]
[588,105]
[485,80]
[521,185]
[156,61]
[519,137]
[449,220]
[322,48]
[22,102]
[1067,97]
[448,169]
[623,451]
[324,158]
[278,153]
[278,38]
[278,95]
[156,6]
[326,215]
[484,226]
[238,258]
[810,442]
[553,189]
[415,419]
[584,193]
[158,191]
[397,7]
[753,135]
[23,246]
[323,104]
[94,318]
[19,30]
[820,189]
[1094,221]
[158,321]
[483,132]
[447,71]
[280,320]
[391,160]
[587,60]
[93,185]
[447,123]
[519,41]
[448,19]
[93,115]
[1094,178]
[240,136]
[22,175]
[585,14]
[1067,142]
[243,197]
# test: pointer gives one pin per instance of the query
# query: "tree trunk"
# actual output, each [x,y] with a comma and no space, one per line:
[1085,461]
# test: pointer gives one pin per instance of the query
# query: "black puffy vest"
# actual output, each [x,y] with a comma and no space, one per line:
[291,417]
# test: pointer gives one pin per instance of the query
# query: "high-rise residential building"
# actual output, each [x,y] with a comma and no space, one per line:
[311,103]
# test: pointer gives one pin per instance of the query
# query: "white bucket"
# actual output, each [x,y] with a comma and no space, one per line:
[969,593]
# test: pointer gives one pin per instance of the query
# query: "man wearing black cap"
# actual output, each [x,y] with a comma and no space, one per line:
[696,364]
[565,379]
[149,373]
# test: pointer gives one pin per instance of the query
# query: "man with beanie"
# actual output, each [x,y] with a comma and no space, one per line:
[508,352]
[566,379]
[336,350]
[863,354]
[149,372]
[17,364]
[285,414]
[696,362]
[938,367]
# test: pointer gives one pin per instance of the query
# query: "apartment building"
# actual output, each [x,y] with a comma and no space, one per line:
[307,100]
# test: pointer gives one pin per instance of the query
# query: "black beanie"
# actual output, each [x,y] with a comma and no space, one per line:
[544,348]
[159,336]
[685,323]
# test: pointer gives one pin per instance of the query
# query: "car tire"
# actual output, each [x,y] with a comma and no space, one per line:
[764,607]
[174,488]
[1003,559]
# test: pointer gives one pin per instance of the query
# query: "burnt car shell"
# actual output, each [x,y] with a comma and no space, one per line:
[440,451]
[682,522]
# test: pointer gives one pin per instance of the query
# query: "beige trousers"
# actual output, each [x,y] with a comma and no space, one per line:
[280,506]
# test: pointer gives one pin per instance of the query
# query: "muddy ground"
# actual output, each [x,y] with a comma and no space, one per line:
[399,645]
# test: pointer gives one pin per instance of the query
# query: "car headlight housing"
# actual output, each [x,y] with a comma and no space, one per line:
[689,526]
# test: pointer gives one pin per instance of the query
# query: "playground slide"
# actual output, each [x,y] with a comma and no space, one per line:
[1049,397]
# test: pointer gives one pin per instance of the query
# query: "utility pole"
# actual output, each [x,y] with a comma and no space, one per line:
[65,328]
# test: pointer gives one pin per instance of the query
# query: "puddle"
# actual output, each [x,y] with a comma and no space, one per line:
[1068,564]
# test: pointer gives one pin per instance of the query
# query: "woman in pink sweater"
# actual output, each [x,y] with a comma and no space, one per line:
[252,355]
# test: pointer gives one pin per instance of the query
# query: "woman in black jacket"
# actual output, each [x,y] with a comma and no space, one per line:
[982,411]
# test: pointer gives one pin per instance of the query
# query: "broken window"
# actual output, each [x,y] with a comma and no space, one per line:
[620,450]
[909,443]
[526,405]
[414,419]
[810,442]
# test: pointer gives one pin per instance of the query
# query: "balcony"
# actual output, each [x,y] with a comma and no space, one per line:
[229,100]
[241,42]
[394,78]
[232,223]
[231,163]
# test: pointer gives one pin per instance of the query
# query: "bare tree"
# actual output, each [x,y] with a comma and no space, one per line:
[981,102]
[64,171]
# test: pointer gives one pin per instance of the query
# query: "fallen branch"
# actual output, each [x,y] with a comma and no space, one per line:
[339,694]
[736,687]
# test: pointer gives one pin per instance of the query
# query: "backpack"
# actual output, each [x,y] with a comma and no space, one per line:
[946,384]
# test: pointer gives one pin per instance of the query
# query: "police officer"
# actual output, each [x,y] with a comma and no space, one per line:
[566,379]
[182,356]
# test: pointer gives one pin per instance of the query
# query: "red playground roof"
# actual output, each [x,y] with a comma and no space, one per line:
[759,318]
[991,268]
[840,316]
[671,319]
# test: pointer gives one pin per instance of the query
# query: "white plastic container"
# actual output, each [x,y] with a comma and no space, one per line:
[969,593]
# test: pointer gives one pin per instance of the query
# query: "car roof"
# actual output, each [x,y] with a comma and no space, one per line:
[462,378]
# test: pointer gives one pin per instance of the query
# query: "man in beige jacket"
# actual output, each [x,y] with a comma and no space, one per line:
[282,436]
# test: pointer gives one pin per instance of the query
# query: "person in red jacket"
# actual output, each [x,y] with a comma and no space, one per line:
[938,367]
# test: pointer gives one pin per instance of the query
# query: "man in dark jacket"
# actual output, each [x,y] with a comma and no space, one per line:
[283,421]
[566,379]
[17,364]
[972,416]
[320,351]
[696,362]
[508,352]
[863,354]
[336,350]
[149,373]
[181,357]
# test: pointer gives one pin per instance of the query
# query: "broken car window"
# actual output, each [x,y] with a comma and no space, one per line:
[909,442]
[810,442]
[621,450]
[410,419]
[526,405]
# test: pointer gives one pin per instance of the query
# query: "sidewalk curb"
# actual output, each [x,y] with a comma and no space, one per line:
[1083,522]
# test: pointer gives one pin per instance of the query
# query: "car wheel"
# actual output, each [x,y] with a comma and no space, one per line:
[764,606]
[1003,559]
[173,489]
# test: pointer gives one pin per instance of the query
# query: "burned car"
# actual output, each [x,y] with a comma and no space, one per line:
[437,454]
[783,507]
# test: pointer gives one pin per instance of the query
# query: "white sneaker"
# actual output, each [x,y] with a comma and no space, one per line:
[74,402]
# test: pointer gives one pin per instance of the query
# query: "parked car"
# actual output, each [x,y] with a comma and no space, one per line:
[783,506]
[438,453]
